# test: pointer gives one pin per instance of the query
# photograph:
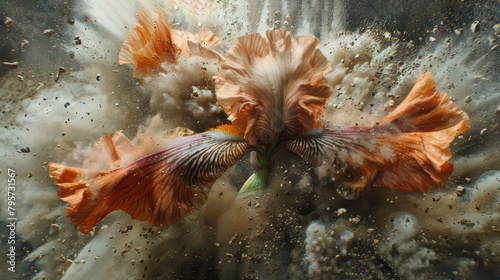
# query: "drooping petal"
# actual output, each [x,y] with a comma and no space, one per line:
[408,150]
[152,42]
[273,87]
[161,188]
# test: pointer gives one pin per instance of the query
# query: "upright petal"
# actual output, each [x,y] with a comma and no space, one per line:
[148,45]
[161,188]
[273,87]
[409,149]
[152,42]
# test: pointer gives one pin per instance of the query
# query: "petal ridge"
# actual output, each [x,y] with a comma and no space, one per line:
[273,87]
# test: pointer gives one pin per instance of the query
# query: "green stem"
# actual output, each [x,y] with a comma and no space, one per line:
[260,175]
[257,180]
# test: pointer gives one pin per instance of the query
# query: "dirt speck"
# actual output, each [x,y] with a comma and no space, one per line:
[9,21]
[474,26]
[49,32]
[11,65]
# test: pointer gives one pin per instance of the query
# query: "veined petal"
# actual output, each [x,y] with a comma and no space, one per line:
[161,188]
[408,150]
[273,87]
[152,42]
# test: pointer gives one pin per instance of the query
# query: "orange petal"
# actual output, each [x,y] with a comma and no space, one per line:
[161,188]
[137,38]
[408,150]
[152,42]
[148,45]
[273,87]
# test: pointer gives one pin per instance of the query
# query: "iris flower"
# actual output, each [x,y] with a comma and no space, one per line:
[274,91]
